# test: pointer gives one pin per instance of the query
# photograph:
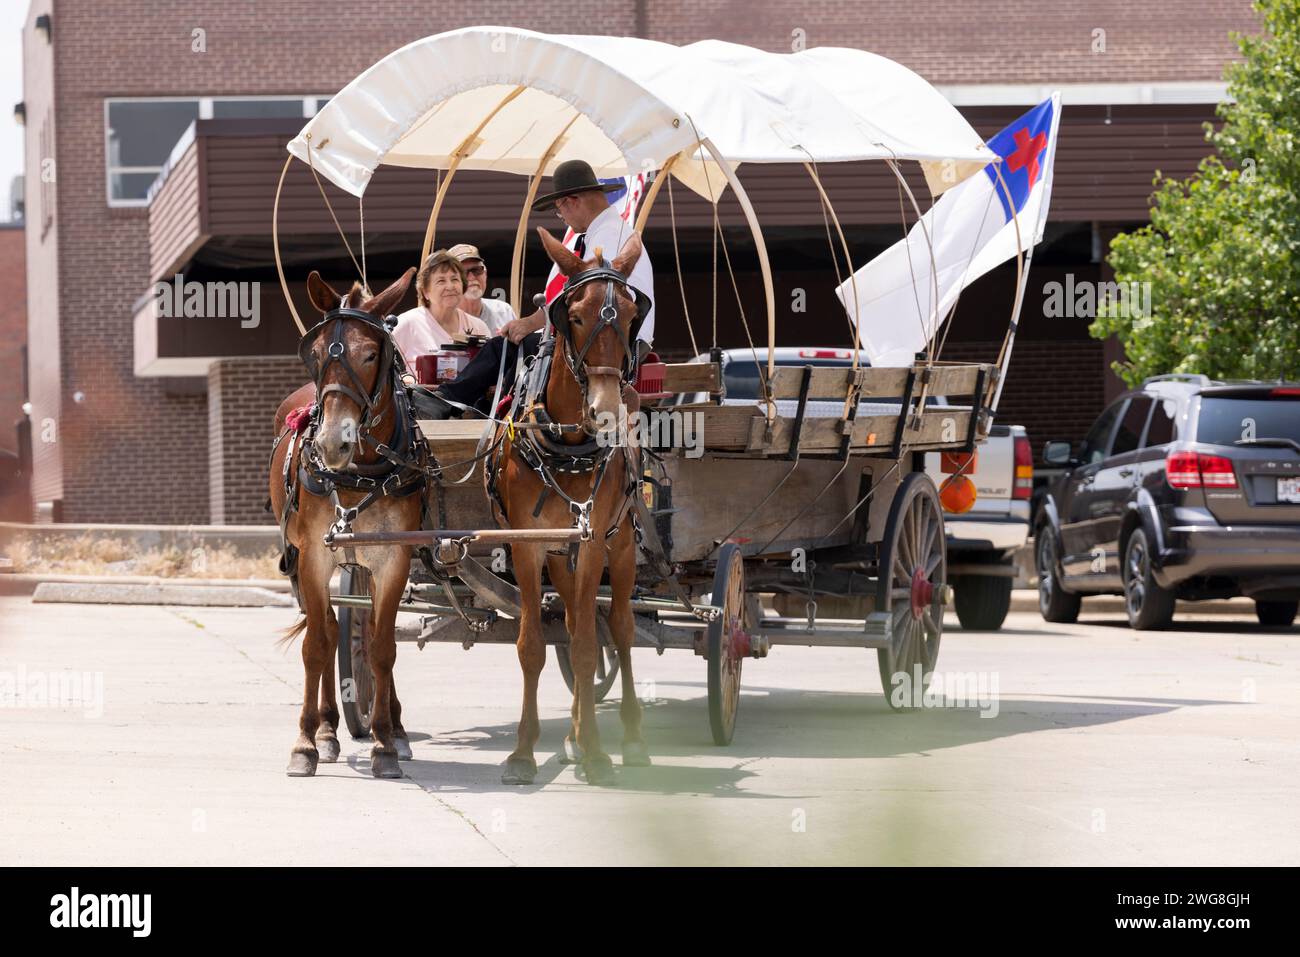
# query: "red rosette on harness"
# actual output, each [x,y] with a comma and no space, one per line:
[297,420]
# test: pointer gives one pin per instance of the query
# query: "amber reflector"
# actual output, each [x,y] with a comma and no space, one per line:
[957,494]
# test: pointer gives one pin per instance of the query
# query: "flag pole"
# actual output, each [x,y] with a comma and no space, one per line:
[1009,341]
[1023,261]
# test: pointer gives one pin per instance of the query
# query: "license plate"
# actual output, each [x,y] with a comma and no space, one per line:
[1288,489]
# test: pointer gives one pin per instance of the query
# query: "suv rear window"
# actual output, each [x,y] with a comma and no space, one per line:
[1226,420]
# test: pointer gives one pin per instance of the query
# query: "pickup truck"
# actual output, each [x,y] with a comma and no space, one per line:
[981,542]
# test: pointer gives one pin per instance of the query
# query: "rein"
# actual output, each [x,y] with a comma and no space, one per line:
[534,445]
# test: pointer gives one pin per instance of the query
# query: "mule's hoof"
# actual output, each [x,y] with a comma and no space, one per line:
[572,753]
[383,764]
[301,765]
[599,772]
[403,746]
[636,755]
[328,749]
[519,771]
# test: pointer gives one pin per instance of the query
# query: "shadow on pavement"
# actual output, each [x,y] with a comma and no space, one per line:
[775,723]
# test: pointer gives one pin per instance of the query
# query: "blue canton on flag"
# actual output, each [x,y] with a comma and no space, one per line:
[1023,148]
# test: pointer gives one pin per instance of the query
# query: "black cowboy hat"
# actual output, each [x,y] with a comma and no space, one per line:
[572,176]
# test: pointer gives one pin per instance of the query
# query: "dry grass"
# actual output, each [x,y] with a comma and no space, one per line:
[105,555]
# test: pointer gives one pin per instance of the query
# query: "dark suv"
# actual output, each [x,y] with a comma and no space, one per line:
[1185,488]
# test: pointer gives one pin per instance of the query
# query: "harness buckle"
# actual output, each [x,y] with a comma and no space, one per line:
[582,513]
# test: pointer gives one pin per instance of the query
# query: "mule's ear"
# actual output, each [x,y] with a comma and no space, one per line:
[628,255]
[563,258]
[388,300]
[321,294]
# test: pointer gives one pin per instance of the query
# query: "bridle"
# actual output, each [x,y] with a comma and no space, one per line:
[390,364]
[559,316]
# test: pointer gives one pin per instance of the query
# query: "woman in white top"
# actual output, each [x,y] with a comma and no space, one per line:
[438,318]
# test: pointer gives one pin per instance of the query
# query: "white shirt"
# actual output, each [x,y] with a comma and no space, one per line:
[610,231]
[417,333]
[496,313]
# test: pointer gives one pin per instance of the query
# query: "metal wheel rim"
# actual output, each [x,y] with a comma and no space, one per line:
[1135,588]
[1046,573]
[724,661]
[916,544]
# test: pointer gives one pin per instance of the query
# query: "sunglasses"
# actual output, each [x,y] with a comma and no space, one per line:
[475,270]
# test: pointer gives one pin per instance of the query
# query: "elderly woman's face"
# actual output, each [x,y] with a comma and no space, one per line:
[443,288]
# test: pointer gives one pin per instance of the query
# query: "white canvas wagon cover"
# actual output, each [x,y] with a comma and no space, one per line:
[626,104]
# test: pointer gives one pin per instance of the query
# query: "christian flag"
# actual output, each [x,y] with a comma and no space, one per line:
[633,188]
[972,228]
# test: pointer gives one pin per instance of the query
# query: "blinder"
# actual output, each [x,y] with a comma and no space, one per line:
[390,358]
[559,316]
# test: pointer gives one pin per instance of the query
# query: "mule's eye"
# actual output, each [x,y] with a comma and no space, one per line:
[371,357]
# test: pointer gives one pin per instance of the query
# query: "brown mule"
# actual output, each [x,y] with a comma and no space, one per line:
[520,490]
[339,444]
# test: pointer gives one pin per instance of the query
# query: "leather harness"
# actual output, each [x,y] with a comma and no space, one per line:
[406,462]
[535,446]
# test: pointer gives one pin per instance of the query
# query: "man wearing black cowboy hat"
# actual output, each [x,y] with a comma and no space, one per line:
[578,199]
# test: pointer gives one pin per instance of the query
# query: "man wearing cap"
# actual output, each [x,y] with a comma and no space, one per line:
[494,312]
[578,199]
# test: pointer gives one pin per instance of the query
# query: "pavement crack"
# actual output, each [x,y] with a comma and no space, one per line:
[464,817]
[231,645]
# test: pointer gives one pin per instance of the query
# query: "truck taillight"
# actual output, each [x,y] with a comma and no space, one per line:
[1022,486]
[825,354]
[1199,470]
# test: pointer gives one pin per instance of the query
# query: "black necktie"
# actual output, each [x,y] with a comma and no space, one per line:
[580,247]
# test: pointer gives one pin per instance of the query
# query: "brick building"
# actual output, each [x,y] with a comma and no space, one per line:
[155,133]
[15,443]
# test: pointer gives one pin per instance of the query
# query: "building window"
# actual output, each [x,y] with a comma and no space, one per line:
[140,134]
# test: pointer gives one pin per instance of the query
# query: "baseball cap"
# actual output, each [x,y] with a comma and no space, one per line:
[464,251]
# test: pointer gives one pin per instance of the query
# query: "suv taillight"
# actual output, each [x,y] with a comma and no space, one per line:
[1217,471]
[1022,487]
[1199,470]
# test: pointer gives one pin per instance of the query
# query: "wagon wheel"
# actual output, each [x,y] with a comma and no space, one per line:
[727,643]
[912,587]
[356,683]
[606,661]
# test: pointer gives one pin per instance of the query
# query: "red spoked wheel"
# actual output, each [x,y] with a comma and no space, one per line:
[912,588]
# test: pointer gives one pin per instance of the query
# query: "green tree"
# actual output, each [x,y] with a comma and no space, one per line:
[1222,251]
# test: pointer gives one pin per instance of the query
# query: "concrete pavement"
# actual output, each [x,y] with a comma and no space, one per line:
[1108,747]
